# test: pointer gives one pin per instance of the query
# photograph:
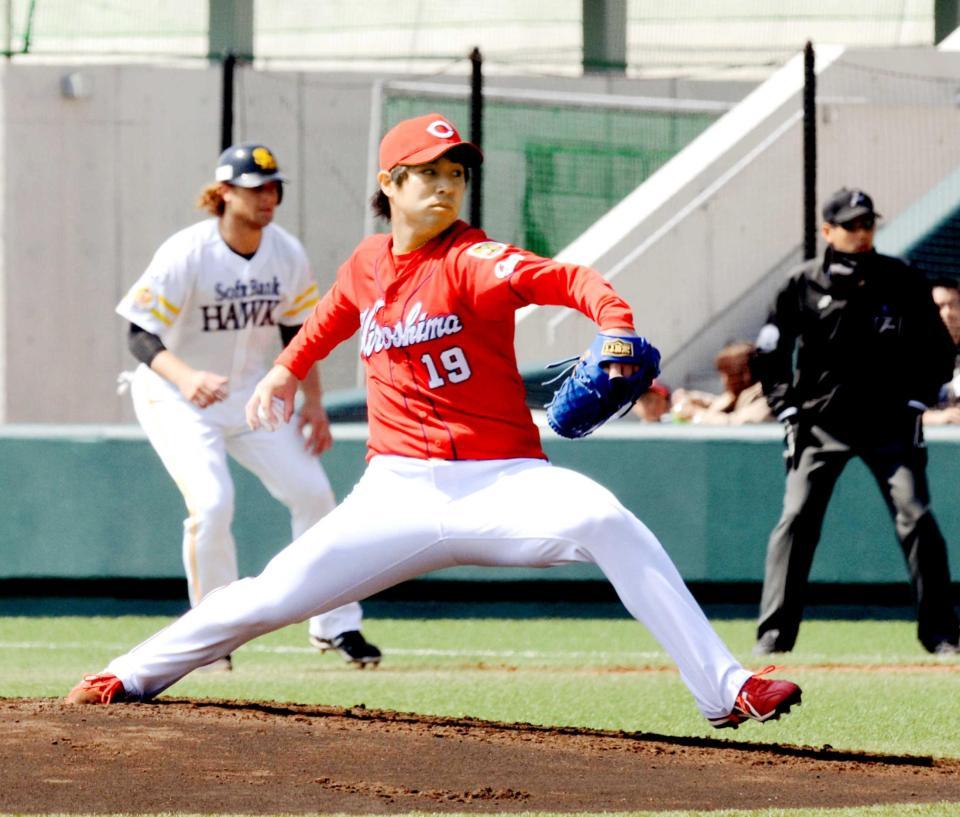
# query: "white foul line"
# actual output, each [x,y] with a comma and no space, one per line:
[398,651]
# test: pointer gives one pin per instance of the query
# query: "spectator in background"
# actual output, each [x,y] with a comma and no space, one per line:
[850,357]
[654,405]
[742,400]
[946,295]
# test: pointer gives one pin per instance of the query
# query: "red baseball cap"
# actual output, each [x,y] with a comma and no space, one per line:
[423,139]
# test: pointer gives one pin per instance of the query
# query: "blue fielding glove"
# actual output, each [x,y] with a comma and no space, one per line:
[589,397]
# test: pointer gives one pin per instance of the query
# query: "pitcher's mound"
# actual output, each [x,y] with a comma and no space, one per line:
[212,757]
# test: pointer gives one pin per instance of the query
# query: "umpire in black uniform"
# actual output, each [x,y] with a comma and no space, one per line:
[852,354]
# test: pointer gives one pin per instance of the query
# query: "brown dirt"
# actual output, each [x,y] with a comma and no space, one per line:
[225,756]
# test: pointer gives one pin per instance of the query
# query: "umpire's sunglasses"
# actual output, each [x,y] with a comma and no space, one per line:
[859,223]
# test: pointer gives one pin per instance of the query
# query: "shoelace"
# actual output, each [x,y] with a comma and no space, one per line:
[569,362]
[741,703]
[107,686]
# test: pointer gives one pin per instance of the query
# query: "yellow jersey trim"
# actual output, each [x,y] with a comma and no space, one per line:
[297,309]
[174,309]
[161,317]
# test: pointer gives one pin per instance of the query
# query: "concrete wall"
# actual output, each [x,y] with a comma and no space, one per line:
[689,244]
[700,248]
[90,186]
[93,185]
[88,502]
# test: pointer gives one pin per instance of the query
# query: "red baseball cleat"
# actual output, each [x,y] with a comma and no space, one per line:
[760,700]
[97,689]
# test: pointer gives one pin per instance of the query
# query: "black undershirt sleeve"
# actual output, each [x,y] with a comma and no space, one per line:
[288,333]
[144,345]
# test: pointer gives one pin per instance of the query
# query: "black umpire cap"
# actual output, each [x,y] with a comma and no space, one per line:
[249,165]
[846,205]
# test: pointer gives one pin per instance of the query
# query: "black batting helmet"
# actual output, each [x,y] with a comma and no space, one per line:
[249,165]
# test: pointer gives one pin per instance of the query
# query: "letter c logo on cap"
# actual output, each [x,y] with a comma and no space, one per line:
[440,129]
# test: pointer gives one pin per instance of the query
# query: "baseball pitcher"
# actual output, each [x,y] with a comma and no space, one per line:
[456,471]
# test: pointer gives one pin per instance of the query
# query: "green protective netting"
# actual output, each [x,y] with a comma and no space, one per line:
[550,171]
[745,37]
[168,28]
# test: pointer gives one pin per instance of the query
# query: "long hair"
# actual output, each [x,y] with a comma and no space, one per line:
[379,202]
[211,200]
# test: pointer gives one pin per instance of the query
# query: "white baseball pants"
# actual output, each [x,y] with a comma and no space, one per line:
[406,517]
[193,445]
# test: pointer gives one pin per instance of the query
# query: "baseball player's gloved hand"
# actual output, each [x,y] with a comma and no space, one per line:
[589,396]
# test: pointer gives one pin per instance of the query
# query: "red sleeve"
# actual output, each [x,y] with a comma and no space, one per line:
[503,277]
[334,319]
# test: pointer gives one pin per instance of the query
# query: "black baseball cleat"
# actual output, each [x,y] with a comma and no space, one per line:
[946,648]
[354,648]
[224,664]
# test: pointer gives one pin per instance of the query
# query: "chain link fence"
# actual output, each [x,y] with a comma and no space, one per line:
[559,161]
[893,132]
[745,39]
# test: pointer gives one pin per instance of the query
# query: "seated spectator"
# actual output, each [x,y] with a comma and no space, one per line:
[654,405]
[742,400]
[946,295]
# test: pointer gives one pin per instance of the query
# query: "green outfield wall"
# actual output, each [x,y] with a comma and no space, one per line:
[95,502]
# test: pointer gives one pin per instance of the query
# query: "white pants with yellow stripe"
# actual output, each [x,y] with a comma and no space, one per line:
[193,445]
[406,517]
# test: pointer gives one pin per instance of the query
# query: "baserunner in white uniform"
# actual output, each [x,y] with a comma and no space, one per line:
[207,317]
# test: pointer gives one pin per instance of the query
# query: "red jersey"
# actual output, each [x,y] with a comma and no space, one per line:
[437,339]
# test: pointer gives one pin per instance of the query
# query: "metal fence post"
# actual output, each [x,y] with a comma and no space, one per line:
[476,135]
[809,153]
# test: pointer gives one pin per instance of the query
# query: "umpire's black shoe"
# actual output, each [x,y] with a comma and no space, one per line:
[354,648]
[767,644]
[946,648]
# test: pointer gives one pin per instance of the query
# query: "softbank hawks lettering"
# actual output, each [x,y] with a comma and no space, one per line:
[246,289]
[238,315]
[416,327]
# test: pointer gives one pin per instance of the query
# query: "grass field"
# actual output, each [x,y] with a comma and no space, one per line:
[867,684]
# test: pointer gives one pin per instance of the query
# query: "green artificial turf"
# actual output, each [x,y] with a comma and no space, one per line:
[867,684]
